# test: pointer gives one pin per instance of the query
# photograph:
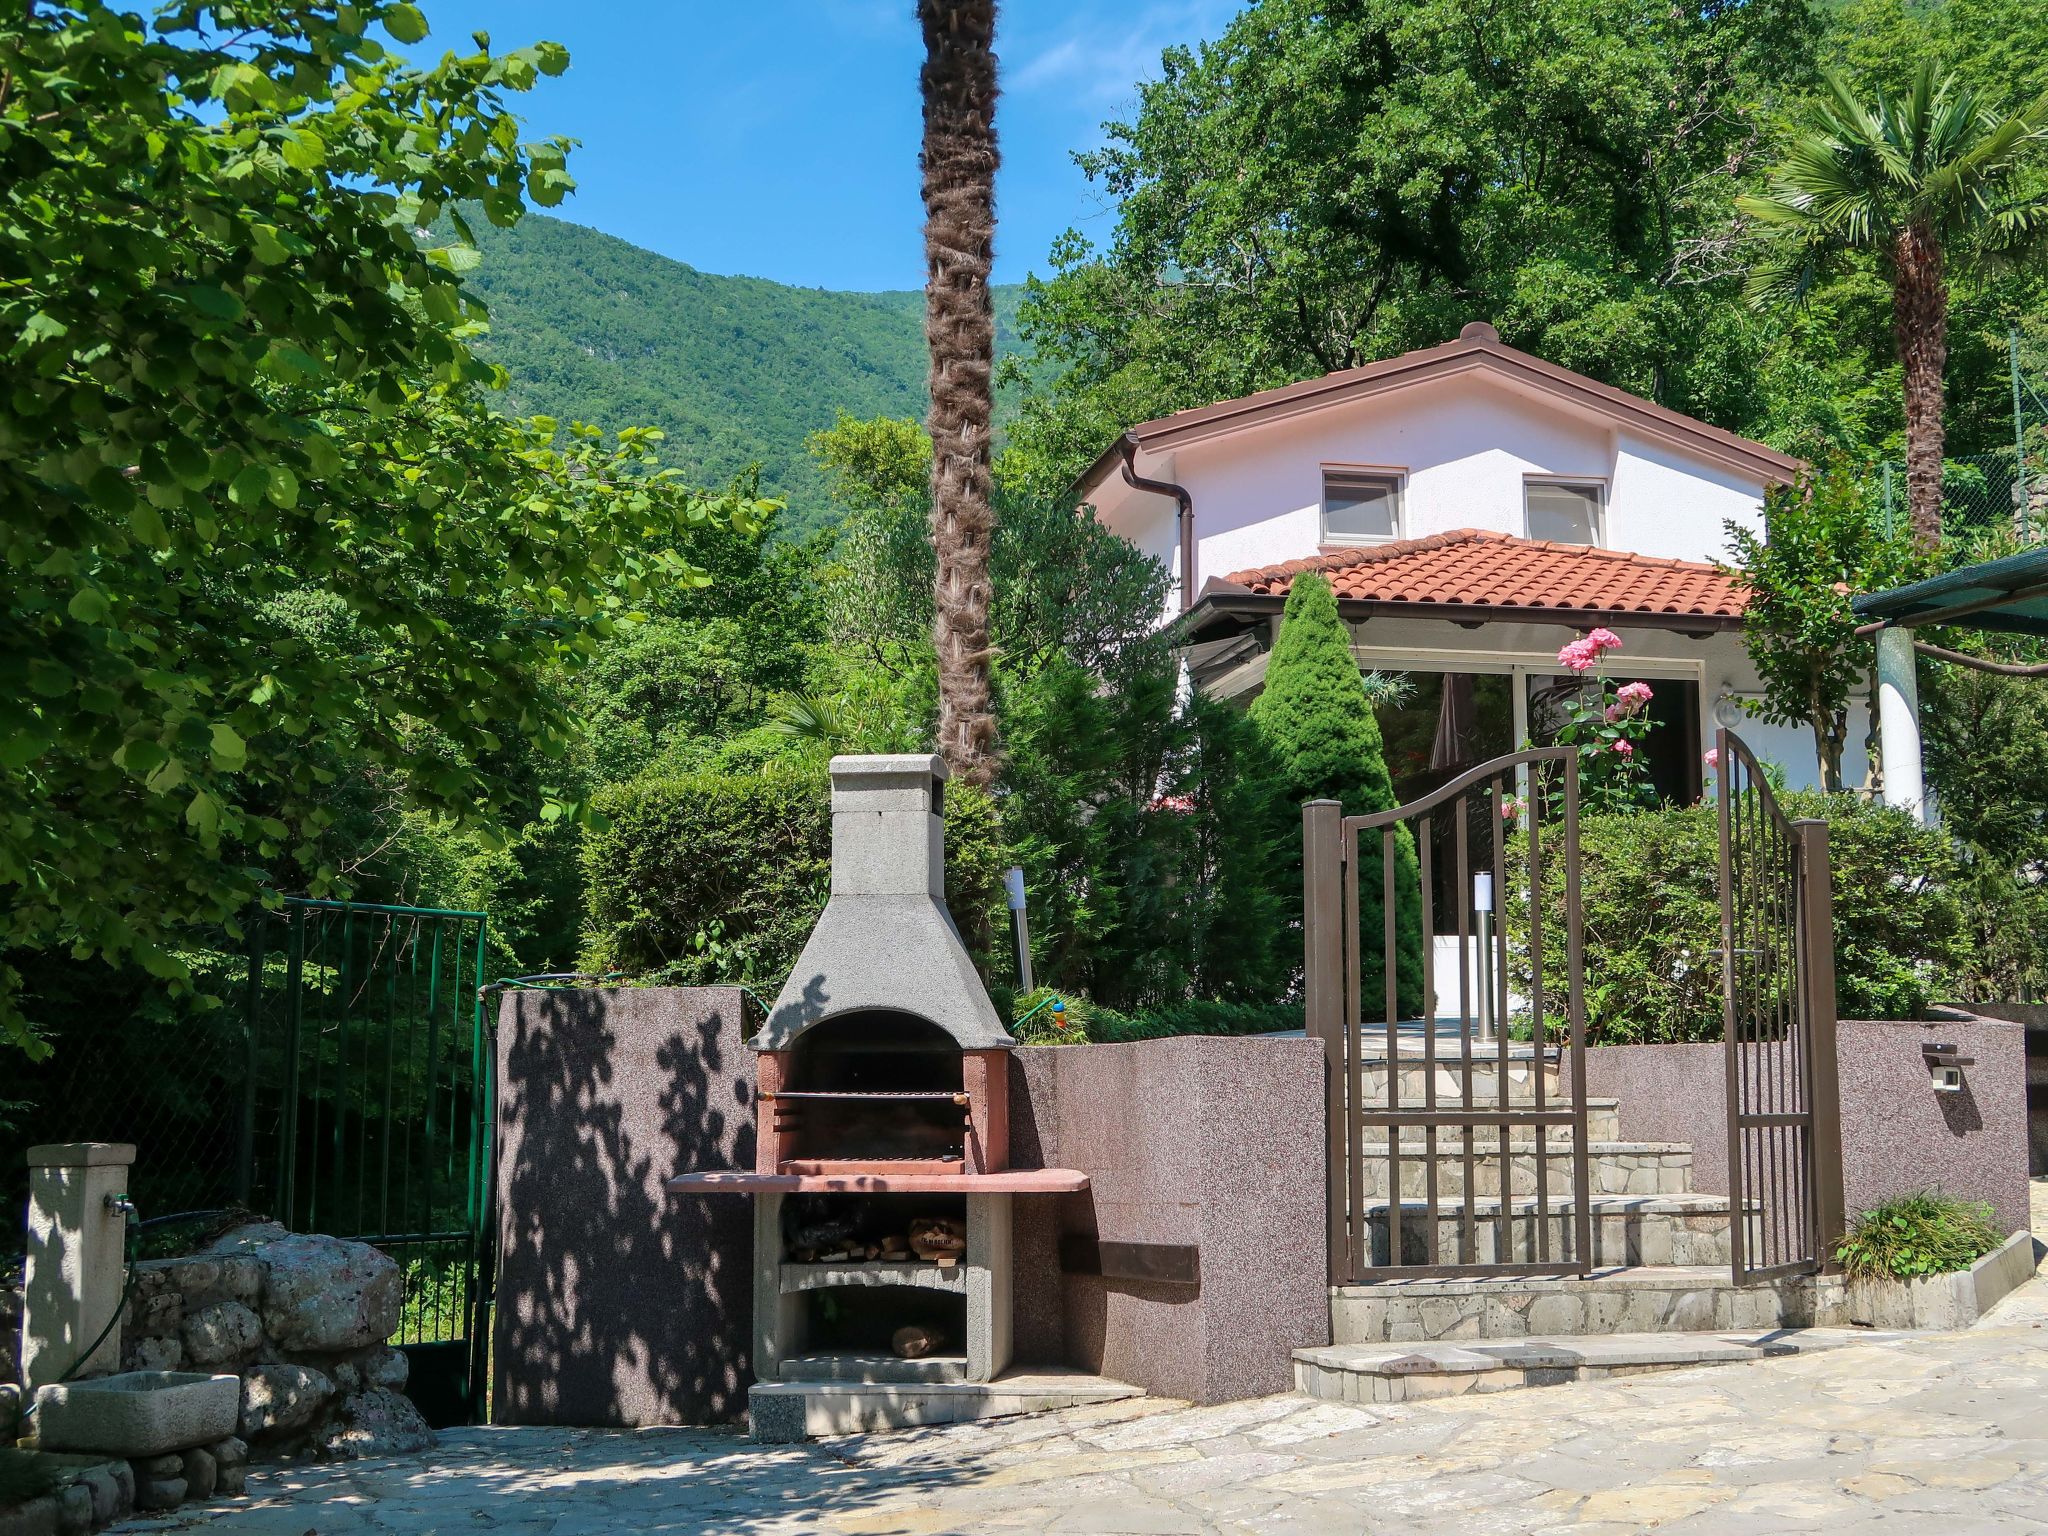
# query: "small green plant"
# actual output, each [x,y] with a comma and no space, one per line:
[1924,1233]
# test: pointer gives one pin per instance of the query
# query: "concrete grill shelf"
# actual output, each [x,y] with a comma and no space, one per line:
[914,1273]
[1014,1181]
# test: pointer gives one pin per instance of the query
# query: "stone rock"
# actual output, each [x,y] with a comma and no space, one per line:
[111,1487]
[280,1397]
[231,1482]
[229,1453]
[378,1422]
[247,1238]
[159,1492]
[159,1314]
[169,1465]
[387,1367]
[154,1354]
[223,1332]
[325,1293]
[74,1510]
[241,1278]
[200,1472]
[347,1379]
[196,1277]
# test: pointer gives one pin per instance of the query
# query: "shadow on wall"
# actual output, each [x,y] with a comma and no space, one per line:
[619,1305]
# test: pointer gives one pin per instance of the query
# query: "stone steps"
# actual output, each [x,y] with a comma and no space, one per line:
[1603,1123]
[1382,1373]
[1641,1299]
[1450,1074]
[1688,1229]
[1613,1168]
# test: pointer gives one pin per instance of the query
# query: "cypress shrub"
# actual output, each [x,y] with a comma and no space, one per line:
[1316,717]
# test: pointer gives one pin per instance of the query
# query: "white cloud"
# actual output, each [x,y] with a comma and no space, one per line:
[1096,60]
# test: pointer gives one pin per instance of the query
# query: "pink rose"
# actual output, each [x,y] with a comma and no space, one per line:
[1712,759]
[1623,749]
[1635,695]
[1604,640]
[1579,656]
[1616,713]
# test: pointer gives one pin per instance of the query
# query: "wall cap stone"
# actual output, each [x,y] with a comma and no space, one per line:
[82,1154]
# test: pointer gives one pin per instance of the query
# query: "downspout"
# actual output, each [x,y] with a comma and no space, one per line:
[1179,493]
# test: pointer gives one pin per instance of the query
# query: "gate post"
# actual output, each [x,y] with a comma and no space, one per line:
[1817,983]
[1323,949]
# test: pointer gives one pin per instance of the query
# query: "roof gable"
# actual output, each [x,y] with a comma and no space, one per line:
[1478,348]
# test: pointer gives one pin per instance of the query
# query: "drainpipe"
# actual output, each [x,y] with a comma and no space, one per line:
[1179,493]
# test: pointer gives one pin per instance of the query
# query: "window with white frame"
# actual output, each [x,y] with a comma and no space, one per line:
[1564,511]
[1360,506]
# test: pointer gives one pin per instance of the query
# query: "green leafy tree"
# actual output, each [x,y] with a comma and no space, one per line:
[1319,725]
[1820,546]
[231,372]
[1327,184]
[1925,180]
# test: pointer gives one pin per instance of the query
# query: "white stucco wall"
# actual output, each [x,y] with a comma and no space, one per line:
[1464,447]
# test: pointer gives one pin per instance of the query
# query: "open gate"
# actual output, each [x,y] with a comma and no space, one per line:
[369,1113]
[1778,1009]
[1429,1071]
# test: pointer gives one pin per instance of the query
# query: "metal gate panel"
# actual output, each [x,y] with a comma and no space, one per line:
[369,1033]
[1405,1155]
[1778,1010]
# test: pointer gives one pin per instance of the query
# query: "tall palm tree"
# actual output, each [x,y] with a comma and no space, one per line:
[1921,180]
[959,162]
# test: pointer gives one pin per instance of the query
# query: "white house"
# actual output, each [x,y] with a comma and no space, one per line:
[1475,508]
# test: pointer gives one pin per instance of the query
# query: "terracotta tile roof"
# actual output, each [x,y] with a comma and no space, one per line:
[1474,569]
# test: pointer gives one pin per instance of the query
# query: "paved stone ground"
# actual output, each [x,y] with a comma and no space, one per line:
[1941,1433]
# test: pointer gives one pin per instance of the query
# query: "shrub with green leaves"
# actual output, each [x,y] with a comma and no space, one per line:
[1319,723]
[1924,1233]
[708,878]
[1651,903]
[1049,1017]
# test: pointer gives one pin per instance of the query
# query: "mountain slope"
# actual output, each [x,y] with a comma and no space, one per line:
[736,370]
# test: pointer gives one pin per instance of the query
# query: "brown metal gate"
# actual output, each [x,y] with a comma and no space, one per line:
[1778,1001]
[1416,1114]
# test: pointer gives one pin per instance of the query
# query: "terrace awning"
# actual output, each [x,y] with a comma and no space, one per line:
[2008,596]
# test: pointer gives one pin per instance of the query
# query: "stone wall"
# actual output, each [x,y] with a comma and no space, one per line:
[617,1303]
[1213,1144]
[303,1320]
[1898,1134]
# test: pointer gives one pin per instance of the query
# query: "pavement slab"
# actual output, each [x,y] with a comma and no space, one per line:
[1886,1434]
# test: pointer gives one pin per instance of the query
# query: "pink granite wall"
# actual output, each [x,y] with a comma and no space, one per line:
[619,1304]
[1897,1133]
[1205,1142]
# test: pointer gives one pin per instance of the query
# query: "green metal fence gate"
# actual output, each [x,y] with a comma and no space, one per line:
[369,1111]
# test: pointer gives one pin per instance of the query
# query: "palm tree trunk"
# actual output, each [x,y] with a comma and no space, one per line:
[1920,327]
[959,160]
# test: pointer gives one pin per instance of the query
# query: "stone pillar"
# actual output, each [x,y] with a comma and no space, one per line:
[1898,722]
[76,1255]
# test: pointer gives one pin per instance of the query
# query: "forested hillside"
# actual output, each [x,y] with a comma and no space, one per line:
[736,370]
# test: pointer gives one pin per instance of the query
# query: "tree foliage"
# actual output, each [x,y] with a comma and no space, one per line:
[1320,727]
[236,380]
[1820,547]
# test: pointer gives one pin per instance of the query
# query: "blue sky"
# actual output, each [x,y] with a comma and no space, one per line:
[778,138]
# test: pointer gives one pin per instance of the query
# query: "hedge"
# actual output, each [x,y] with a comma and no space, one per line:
[1082,1022]
[709,878]
[1651,904]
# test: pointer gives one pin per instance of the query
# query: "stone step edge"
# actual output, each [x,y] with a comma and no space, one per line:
[1386,1373]
[1672,1277]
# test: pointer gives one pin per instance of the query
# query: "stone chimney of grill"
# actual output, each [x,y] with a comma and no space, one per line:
[885,939]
